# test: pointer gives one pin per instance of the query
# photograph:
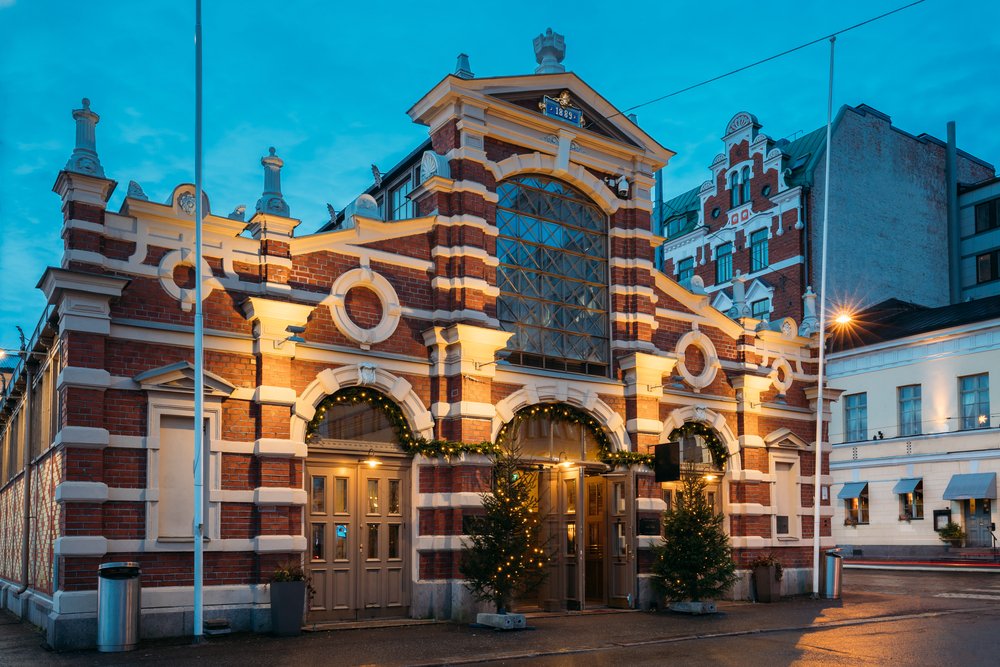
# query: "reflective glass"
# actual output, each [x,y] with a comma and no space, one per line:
[553,274]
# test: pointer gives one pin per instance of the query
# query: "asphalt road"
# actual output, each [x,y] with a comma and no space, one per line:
[897,618]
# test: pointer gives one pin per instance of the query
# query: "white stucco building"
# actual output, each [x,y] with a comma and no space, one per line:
[915,433]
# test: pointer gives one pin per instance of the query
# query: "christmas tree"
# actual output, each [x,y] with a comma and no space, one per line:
[503,557]
[695,561]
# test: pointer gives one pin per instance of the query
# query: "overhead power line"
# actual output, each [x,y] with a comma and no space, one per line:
[769,58]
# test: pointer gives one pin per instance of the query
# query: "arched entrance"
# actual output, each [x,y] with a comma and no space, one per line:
[703,454]
[357,524]
[587,508]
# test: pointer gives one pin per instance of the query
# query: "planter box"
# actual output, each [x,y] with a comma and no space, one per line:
[694,607]
[502,621]
[766,584]
[288,603]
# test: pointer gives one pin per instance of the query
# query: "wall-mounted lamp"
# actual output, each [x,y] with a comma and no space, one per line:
[651,387]
[294,337]
[563,461]
[501,355]
[710,477]
[371,461]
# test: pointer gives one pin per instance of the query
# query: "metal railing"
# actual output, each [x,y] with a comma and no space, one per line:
[31,342]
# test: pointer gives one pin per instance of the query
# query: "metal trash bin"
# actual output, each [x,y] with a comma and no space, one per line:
[833,566]
[118,591]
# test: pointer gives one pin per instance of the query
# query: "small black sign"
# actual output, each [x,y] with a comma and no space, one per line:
[667,464]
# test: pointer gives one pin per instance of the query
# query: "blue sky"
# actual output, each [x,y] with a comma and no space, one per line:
[328,84]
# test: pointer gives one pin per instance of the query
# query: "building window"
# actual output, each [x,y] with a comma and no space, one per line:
[974,400]
[909,409]
[401,208]
[856,509]
[758,250]
[988,266]
[987,215]
[911,504]
[745,186]
[724,263]
[734,189]
[553,275]
[855,417]
[685,269]
[760,310]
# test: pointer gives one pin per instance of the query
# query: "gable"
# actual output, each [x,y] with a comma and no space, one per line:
[594,121]
[179,377]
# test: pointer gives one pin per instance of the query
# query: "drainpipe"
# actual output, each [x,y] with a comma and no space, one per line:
[954,245]
[26,514]
[659,202]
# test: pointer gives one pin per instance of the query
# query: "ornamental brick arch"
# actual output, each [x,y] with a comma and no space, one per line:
[710,418]
[329,381]
[562,392]
[573,174]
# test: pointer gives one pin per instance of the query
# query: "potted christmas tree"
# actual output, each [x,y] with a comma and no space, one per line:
[288,599]
[694,565]
[503,557]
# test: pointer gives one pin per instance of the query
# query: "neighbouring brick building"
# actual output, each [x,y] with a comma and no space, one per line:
[353,375]
[750,237]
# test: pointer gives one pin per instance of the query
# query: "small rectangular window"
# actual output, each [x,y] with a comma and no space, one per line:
[856,509]
[911,505]
[758,250]
[724,263]
[987,215]
[974,401]
[909,409]
[988,266]
[855,417]
[401,206]
[761,310]
[685,269]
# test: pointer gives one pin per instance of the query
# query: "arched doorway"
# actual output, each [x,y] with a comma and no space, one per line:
[587,508]
[702,453]
[358,516]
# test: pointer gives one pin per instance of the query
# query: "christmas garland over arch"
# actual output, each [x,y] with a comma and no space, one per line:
[718,450]
[411,443]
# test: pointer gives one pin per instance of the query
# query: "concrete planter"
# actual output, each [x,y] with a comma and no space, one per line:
[502,621]
[288,603]
[693,607]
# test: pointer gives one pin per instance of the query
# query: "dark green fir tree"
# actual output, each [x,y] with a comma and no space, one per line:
[694,562]
[503,558]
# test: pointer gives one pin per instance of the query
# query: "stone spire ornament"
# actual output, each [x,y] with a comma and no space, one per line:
[810,323]
[463,70]
[135,191]
[550,49]
[84,159]
[270,200]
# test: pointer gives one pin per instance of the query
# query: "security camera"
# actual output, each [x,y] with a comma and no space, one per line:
[292,329]
[622,186]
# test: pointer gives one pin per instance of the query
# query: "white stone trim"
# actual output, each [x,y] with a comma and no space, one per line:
[464,283]
[457,499]
[704,415]
[80,545]
[704,344]
[278,447]
[365,277]
[572,173]
[85,437]
[438,542]
[654,426]
[88,492]
[76,376]
[271,395]
[165,273]
[279,543]
[268,495]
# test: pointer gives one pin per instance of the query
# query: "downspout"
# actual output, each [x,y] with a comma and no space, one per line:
[954,244]
[26,514]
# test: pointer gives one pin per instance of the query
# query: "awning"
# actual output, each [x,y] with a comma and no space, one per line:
[851,490]
[906,485]
[973,485]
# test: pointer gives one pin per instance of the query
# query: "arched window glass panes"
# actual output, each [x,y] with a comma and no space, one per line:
[358,422]
[553,275]
[734,189]
[745,196]
[540,437]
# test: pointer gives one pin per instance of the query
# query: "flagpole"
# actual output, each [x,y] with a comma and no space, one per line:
[199,356]
[818,473]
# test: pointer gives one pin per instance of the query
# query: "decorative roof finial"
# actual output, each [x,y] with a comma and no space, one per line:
[463,70]
[271,201]
[550,49]
[84,159]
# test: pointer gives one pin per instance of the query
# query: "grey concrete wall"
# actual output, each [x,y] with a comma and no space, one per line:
[888,235]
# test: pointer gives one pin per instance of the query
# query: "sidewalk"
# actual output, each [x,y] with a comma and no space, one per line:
[450,643]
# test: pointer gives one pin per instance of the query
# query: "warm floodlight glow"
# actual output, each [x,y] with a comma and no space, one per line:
[709,478]
[982,419]
[372,461]
[843,319]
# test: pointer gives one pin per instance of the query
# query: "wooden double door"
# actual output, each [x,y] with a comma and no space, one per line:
[588,527]
[358,530]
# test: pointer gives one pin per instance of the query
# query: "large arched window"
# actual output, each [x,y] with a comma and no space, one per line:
[553,275]
[350,421]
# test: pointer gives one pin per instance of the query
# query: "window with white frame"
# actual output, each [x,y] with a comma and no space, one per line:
[909,409]
[734,190]
[760,310]
[724,263]
[685,269]
[911,503]
[974,400]
[856,508]
[745,185]
[855,417]
[758,250]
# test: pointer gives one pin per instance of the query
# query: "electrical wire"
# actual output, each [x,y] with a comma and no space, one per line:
[769,58]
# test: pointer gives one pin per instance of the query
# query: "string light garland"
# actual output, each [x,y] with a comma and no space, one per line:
[720,455]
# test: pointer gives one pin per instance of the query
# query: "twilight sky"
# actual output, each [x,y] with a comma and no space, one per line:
[328,84]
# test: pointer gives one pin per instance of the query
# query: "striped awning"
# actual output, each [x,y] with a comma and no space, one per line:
[852,490]
[972,485]
[906,485]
